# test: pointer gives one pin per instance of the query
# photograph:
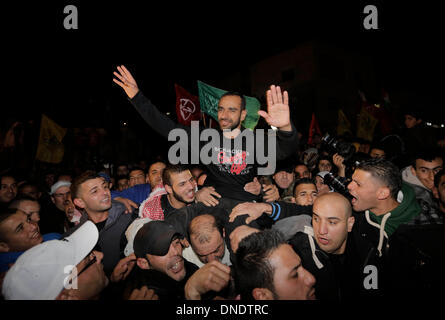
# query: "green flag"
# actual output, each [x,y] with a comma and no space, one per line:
[209,97]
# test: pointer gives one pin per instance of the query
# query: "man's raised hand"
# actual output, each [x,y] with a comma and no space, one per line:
[126,81]
[278,114]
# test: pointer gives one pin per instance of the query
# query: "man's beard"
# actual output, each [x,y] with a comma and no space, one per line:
[180,198]
[233,126]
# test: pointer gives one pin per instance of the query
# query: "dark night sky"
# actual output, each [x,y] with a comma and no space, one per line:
[68,73]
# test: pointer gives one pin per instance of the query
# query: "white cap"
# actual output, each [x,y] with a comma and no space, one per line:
[59,184]
[40,272]
[132,229]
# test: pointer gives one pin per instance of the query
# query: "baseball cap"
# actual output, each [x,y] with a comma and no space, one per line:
[285,165]
[130,233]
[154,238]
[40,272]
[59,184]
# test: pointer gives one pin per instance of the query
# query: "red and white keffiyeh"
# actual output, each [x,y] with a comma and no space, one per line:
[151,207]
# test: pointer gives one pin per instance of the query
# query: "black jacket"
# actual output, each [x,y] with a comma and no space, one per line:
[338,276]
[112,240]
[228,178]
[165,287]
[410,262]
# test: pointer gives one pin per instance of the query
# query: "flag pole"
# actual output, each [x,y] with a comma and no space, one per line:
[204,119]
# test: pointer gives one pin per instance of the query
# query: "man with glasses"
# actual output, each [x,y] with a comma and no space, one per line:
[59,193]
[53,217]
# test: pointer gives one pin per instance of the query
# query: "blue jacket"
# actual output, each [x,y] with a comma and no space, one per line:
[138,193]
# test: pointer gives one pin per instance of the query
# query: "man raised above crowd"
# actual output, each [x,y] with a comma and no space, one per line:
[231,112]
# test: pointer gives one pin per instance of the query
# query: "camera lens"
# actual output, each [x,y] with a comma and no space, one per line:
[337,185]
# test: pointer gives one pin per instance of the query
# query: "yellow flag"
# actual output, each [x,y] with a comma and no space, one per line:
[366,125]
[50,148]
[343,123]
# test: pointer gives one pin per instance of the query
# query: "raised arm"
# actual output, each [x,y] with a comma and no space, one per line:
[277,114]
[126,81]
[155,119]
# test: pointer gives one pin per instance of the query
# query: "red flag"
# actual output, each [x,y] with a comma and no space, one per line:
[187,106]
[314,128]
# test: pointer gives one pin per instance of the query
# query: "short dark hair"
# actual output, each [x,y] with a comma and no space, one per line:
[122,176]
[27,184]
[19,199]
[437,177]
[85,176]
[252,266]
[235,93]
[413,110]
[172,168]
[324,157]
[136,169]
[5,213]
[426,154]
[7,175]
[377,145]
[303,181]
[152,163]
[386,172]
[300,164]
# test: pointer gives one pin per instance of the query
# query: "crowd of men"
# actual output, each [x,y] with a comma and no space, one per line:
[319,227]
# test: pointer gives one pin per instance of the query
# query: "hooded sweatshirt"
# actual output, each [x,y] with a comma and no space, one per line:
[430,210]
[383,226]
[421,191]
[403,213]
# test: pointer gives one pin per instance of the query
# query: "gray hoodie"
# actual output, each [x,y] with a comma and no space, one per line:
[430,210]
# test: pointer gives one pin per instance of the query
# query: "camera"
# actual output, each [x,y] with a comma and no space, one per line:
[344,149]
[337,184]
